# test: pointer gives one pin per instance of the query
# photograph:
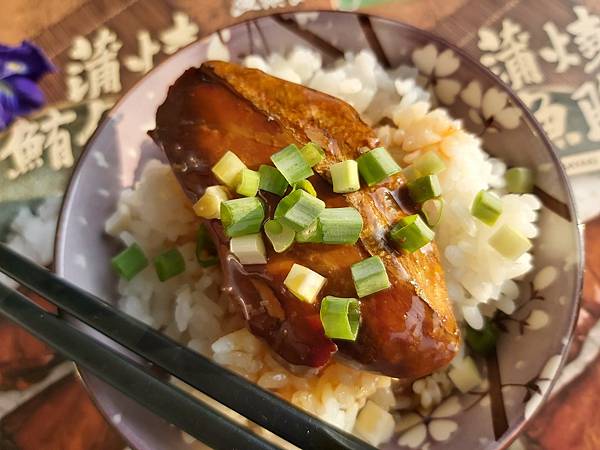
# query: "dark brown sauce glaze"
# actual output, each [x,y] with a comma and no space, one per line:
[192,132]
[406,331]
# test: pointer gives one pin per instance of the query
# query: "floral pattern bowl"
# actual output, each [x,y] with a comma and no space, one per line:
[534,339]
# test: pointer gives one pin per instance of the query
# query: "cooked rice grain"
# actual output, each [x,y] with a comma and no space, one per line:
[191,307]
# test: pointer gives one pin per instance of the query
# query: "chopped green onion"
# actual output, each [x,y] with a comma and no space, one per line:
[432,210]
[424,188]
[519,180]
[312,154]
[271,180]
[344,177]
[130,262]
[248,181]
[281,236]
[242,216]
[249,249]
[464,374]
[291,164]
[376,165]
[509,242]
[304,283]
[206,253]
[311,234]
[340,317]
[169,264]
[340,225]
[369,276]
[228,168]
[411,233]
[429,163]
[307,186]
[209,205]
[298,209]
[482,341]
[410,173]
[486,207]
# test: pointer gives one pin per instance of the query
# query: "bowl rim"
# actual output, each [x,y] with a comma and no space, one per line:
[513,431]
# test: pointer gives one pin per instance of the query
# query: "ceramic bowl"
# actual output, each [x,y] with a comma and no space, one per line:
[530,352]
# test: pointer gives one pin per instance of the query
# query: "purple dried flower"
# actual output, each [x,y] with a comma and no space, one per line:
[20,69]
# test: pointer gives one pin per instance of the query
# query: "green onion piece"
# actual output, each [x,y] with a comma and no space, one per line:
[486,207]
[291,164]
[206,253]
[369,276]
[312,153]
[271,180]
[304,283]
[249,249]
[281,236]
[411,233]
[424,188]
[130,262]
[311,234]
[228,168]
[344,177]
[305,185]
[340,225]
[298,209]
[429,163]
[509,242]
[410,173]
[169,264]
[242,216]
[432,210]
[209,205]
[519,180]
[340,317]
[376,165]
[248,181]
[482,341]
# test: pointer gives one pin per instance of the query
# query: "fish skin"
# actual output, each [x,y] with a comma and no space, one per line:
[408,330]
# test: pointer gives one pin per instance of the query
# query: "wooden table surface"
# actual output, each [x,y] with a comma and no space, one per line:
[23,19]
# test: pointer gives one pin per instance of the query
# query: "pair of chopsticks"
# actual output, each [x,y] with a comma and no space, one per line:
[138,382]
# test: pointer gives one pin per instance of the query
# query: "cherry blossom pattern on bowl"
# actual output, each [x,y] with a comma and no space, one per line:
[536,321]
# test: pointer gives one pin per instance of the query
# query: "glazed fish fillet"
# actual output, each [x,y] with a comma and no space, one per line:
[406,331]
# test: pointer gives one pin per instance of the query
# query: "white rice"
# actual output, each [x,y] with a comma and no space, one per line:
[191,308]
[31,234]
